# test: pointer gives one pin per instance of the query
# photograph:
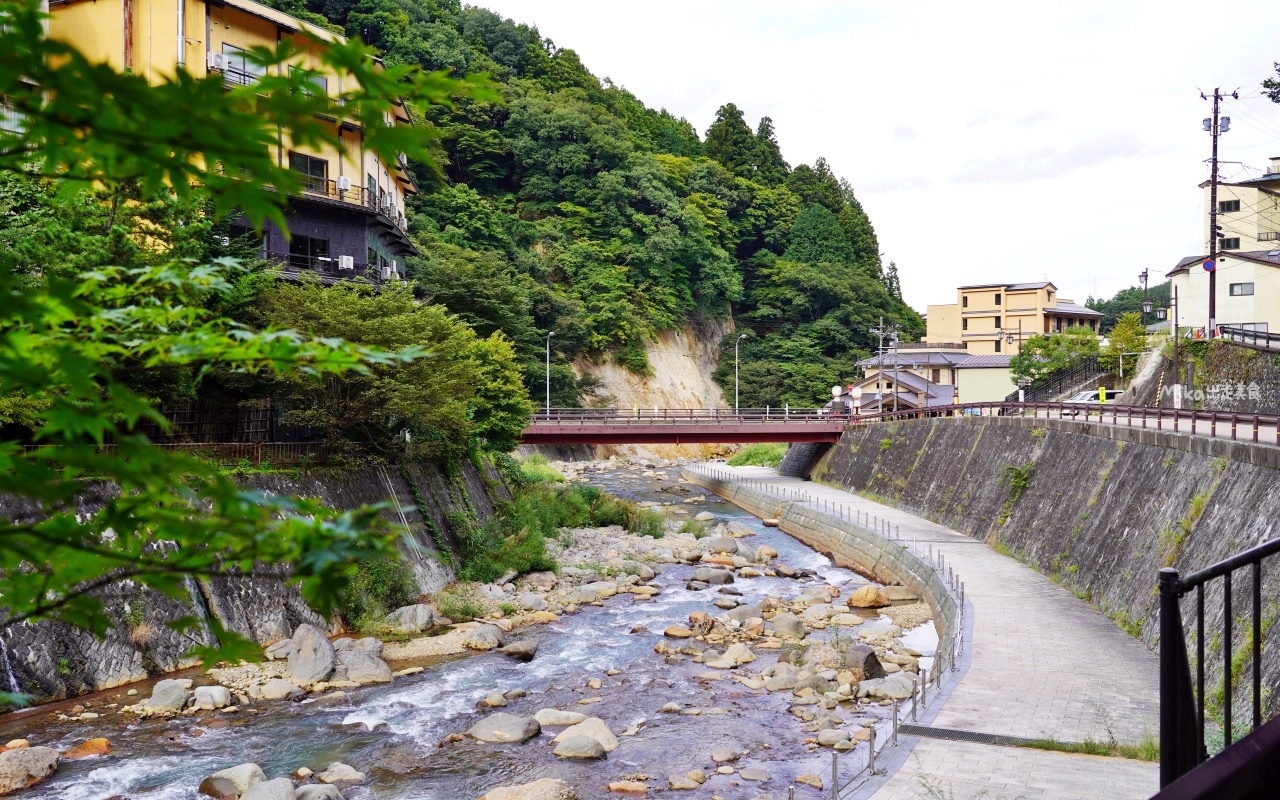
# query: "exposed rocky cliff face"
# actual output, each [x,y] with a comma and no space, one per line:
[1099,509]
[52,660]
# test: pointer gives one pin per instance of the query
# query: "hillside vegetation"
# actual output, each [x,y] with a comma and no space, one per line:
[568,205]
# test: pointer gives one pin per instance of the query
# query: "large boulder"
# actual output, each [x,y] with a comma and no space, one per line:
[279,689]
[318,791]
[210,697]
[26,766]
[523,650]
[594,727]
[739,654]
[168,695]
[411,619]
[278,789]
[712,576]
[484,637]
[554,717]
[788,626]
[361,666]
[232,781]
[862,658]
[337,772]
[504,727]
[313,656]
[545,789]
[869,596]
[584,747]
[531,601]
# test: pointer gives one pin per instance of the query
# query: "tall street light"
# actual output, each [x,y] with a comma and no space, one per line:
[735,371]
[549,335]
[1146,303]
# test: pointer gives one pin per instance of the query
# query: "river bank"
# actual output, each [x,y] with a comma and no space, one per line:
[674,670]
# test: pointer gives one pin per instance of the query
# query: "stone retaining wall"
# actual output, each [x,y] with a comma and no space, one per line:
[847,544]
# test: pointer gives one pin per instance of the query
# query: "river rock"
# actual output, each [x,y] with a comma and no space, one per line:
[238,779]
[788,626]
[26,766]
[92,747]
[411,619]
[337,772]
[868,596]
[484,637]
[810,779]
[546,581]
[523,650]
[493,700]
[554,717]
[754,774]
[210,697]
[313,656]
[279,689]
[831,738]
[677,632]
[318,791]
[601,589]
[641,570]
[764,553]
[278,789]
[280,650]
[781,683]
[504,727]
[530,601]
[727,602]
[167,695]
[545,789]
[739,654]
[595,728]
[704,516]
[362,666]
[680,782]
[898,686]
[585,747]
[711,576]
[723,755]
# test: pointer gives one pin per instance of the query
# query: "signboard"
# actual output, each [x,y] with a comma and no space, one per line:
[1209,265]
[1177,395]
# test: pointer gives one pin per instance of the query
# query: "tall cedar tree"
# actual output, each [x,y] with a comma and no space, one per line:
[730,142]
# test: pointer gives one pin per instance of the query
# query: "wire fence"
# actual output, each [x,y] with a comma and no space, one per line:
[950,643]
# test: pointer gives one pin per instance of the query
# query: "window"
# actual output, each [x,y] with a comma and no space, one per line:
[319,81]
[1227,206]
[997,299]
[997,344]
[1229,244]
[315,171]
[240,70]
[1269,236]
[11,120]
[309,252]
[373,258]
[964,301]
[937,375]
[1241,289]
[372,185]
[964,324]
[997,323]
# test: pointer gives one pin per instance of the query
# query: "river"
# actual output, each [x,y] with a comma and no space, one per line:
[393,732]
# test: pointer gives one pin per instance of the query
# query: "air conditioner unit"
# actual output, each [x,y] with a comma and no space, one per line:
[344,184]
[346,262]
[216,61]
[386,273]
[386,201]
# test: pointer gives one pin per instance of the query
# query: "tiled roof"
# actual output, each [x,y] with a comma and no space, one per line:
[1076,310]
[987,362]
[1012,287]
[1256,256]
[916,359]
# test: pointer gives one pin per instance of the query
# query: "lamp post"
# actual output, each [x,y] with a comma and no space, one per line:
[857,400]
[1008,337]
[735,371]
[1146,303]
[549,335]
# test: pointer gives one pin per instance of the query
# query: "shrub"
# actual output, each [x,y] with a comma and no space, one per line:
[759,455]
[378,587]
[459,603]
[695,527]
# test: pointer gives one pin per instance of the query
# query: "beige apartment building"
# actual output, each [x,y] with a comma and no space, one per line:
[985,315]
[1248,211]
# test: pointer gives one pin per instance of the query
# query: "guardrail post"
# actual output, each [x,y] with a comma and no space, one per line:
[1178,736]
[894,740]
[835,776]
[871,756]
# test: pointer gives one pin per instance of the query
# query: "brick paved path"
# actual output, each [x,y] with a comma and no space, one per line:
[1043,665]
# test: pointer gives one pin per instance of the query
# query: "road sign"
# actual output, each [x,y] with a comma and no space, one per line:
[1208,266]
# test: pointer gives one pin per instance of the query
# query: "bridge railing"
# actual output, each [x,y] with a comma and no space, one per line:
[630,416]
[1235,772]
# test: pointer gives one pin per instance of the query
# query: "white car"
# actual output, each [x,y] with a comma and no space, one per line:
[1093,397]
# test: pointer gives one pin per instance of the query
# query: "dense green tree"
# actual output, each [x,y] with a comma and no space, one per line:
[730,142]
[1130,300]
[771,168]
[1127,336]
[818,237]
[1041,355]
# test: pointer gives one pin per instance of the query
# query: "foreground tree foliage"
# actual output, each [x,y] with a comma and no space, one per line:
[1041,355]
[72,326]
[615,221]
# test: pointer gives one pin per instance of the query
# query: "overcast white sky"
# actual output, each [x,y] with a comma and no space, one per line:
[988,141]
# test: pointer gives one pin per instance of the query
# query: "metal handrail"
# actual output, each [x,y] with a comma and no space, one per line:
[1270,341]
[1182,715]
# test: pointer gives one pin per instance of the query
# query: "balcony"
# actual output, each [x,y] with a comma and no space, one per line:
[328,269]
[327,189]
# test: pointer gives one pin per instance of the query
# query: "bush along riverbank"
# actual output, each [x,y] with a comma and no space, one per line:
[716,629]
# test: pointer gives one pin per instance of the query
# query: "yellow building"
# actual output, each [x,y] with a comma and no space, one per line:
[984,315]
[349,219]
[1248,211]
[1247,295]
[932,375]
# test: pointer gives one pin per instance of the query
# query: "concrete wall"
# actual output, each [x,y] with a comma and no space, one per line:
[847,545]
[52,660]
[1101,511]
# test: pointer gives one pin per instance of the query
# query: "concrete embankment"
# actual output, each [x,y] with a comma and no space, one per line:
[1099,509]
[52,660]
[848,545]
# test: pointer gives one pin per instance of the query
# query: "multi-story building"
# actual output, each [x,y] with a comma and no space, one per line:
[924,375]
[984,315]
[1248,211]
[349,218]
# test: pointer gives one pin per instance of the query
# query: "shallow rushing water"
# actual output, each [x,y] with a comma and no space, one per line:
[393,732]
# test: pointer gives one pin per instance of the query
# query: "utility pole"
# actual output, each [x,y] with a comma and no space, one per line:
[881,332]
[893,342]
[1215,127]
[878,331]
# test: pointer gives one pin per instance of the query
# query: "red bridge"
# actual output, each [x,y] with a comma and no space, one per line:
[682,426]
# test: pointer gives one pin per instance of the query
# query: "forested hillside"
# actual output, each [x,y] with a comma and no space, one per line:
[567,205]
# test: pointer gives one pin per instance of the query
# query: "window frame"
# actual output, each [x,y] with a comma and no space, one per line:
[1229,243]
[311,181]
[1228,206]
[1231,289]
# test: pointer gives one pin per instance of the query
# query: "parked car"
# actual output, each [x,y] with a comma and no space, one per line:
[1093,397]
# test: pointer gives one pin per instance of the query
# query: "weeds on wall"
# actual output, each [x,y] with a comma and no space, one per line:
[1017,477]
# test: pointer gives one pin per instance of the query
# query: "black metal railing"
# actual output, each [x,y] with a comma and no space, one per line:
[1182,701]
[1262,339]
[1059,381]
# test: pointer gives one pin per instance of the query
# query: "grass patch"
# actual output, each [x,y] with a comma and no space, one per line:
[696,527]
[1147,750]
[759,455]
[460,603]
[1017,477]
[378,587]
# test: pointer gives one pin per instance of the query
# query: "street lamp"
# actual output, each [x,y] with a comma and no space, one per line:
[1162,313]
[549,335]
[1008,337]
[857,400]
[1146,303]
[735,371]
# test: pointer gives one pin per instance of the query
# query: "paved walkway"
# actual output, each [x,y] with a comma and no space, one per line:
[1043,665]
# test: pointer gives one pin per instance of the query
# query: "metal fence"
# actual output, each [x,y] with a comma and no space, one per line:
[1260,339]
[1182,703]
[950,644]
[1061,380]
[255,455]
